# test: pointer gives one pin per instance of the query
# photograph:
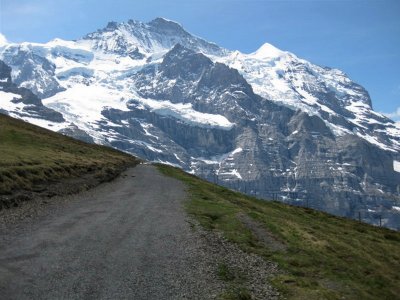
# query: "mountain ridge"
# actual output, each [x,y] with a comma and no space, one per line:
[267,123]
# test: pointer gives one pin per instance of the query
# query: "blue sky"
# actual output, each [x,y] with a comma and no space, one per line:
[360,37]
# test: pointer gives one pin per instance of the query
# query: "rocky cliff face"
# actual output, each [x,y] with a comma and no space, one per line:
[32,71]
[20,101]
[267,123]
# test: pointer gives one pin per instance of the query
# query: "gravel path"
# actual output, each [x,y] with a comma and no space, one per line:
[127,239]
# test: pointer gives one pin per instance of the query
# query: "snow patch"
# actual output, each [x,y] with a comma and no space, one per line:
[186,113]
[178,158]
[164,162]
[233,172]
[237,150]
[8,105]
[87,102]
[374,140]
[13,109]
[267,51]
[220,158]
[146,127]
[54,126]
[7,97]
[396,166]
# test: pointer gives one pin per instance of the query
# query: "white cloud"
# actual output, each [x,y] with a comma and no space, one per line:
[3,39]
[394,115]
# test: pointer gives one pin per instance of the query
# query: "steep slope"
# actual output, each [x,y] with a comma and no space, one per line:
[266,123]
[32,71]
[344,105]
[323,256]
[271,145]
[36,161]
[21,102]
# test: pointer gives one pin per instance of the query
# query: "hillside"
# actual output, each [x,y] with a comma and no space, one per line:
[322,256]
[36,160]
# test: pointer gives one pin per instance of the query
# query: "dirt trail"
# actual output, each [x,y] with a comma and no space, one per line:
[127,239]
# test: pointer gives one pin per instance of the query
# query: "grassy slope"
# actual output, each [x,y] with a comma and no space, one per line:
[326,257]
[31,155]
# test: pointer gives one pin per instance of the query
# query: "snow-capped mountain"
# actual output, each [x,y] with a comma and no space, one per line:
[344,105]
[266,123]
[138,40]
[21,102]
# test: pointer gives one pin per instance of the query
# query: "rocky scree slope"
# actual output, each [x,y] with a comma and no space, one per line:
[266,123]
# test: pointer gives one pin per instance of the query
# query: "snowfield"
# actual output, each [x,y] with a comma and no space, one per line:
[396,165]
[93,68]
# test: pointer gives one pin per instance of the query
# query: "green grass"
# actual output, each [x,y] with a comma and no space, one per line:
[238,293]
[326,257]
[235,281]
[30,155]
[225,273]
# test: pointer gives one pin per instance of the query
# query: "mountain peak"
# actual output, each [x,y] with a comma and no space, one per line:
[155,36]
[164,21]
[165,25]
[267,51]
[112,25]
